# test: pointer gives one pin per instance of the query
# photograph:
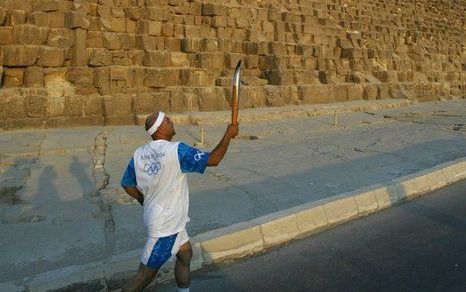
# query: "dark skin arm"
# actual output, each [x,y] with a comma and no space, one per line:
[217,154]
[135,193]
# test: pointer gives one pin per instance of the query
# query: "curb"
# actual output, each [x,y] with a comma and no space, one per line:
[278,113]
[250,237]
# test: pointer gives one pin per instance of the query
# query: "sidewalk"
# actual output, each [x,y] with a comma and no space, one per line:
[61,204]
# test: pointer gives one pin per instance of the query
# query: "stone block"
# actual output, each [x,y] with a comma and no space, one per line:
[194,77]
[148,103]
[80,56]
[117,105]
[100,57]
[3,16]
[93,105]
[276,77]
[315,94]
[17,17]
[173,44]
[369,92]
[278,227]
[80,76]
[40,18]
[212,99]
[111,41]
[74,106]
[232,59]
[167,29]
[210,9]
[13,77]
[156,77]
[6,35]
[27,34]
[190,45]
[57,19]
[147,43]
[383,91]
[51,57]
[230,242]
[179,59]
[76,20]
[157,59]
[33,77]
[45,5]
[61,38]
[159,13]
[17,55]
[94,39]
[36,106]
[341,210]
[354,92]
[101,80]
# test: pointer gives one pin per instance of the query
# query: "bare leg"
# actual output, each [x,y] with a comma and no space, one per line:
[143,278]
[182,269]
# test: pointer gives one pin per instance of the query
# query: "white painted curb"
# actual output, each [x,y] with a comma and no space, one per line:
[253,236]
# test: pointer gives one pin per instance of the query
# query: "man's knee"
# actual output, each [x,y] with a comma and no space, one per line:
[185,254]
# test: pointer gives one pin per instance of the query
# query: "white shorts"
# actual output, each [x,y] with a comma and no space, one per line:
[158,250]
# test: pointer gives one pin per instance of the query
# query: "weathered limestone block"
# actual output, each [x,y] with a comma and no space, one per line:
[3,16]
[34,77]
[62,38]
[27,34]
[212,99]
[6,35]
[101,80]
[80,56]
[382,91]
[156,77]
[17,17]
[99,57]
[80,77]
[147,43]
[36,106]
[93,105]
[370,92]
[157,59]
[75,20]
[113,24]
[354,91]
[274,96]
[127,41]
[147,103]
[16,55]
[209,9]
[280,77]
[95,39]
[232,59]
[57,19]
[338,92]
[45,5]
[315,94]
[179,59]
[74,106]
[190,45]
[51,57]
[40,18]
[159,13]
[111,41]
[386,76]
[13,77]
[194,77]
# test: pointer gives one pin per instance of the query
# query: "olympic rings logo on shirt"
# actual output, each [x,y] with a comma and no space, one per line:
[198,155]
[153,168]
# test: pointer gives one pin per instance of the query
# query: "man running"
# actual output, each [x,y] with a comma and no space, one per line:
[156,177]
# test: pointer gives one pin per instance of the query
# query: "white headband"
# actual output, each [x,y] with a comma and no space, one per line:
[157,124]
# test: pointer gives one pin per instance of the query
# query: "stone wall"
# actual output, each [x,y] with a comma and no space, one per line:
[89,62]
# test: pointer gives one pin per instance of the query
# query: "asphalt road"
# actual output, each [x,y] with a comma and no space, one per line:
[416,246]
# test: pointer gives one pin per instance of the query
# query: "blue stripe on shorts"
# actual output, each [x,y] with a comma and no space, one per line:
[161,252]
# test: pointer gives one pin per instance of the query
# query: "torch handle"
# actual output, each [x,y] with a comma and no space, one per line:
[234,107]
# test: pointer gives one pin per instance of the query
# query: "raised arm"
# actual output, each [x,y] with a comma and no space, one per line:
[135,193]
[217,154]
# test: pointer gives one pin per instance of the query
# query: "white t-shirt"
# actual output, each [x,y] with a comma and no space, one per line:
[161,178]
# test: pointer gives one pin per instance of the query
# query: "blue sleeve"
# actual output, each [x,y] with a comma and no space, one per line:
[129,178]
[192,159]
